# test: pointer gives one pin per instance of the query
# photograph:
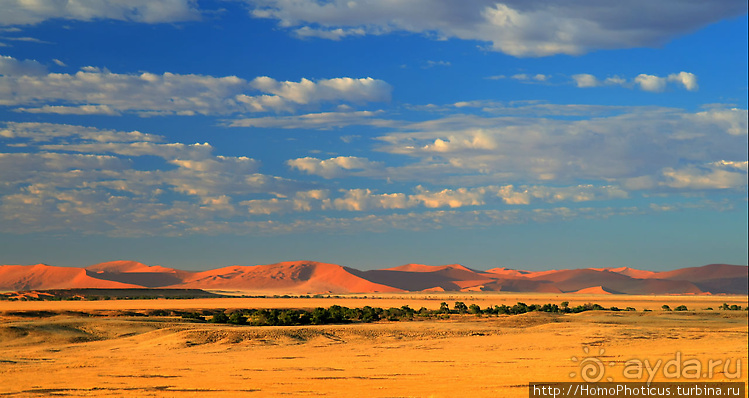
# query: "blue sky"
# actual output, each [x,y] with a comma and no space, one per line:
[524,134]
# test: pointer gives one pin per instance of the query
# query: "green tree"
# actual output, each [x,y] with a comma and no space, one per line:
[219,317]
[502,310]
[237,318]
[408,310]
[337,314]
[193,315]
[394,314]
[369,314]
[519,308]
[319,316]
[288,318]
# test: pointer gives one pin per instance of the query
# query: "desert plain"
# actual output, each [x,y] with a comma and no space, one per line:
[106,348]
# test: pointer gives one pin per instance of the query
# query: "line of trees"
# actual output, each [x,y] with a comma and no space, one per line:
[337,314]
[334,314]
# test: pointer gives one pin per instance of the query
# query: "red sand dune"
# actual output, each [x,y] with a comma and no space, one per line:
[296,277]
[574,280]
[127,266]
[508,273]
[714,278]
[521,285]
[417,277]
[634,273]
[706,272]
[472,283]
[135,273]
[429,268]
[534,274]
[594,290]
[42,276]
[303,277]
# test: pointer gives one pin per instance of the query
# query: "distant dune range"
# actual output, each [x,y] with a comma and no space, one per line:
[309,277]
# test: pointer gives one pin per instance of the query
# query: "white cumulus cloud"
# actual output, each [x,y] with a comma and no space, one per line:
[686,79]
[643,81]
[717,175]
[307,91]
[650,82]
[330,34]
[365,199]
[10,66]
[586,80]
[333,167]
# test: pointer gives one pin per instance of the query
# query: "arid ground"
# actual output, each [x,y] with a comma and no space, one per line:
[103,349]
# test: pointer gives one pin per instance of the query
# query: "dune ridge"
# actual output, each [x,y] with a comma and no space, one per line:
[311,277]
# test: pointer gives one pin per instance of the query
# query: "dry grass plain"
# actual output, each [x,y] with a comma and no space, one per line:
[64,353]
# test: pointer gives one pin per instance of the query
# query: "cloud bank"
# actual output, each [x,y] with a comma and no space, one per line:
[517,27]
[94,90]
[635,145]
[20,12]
